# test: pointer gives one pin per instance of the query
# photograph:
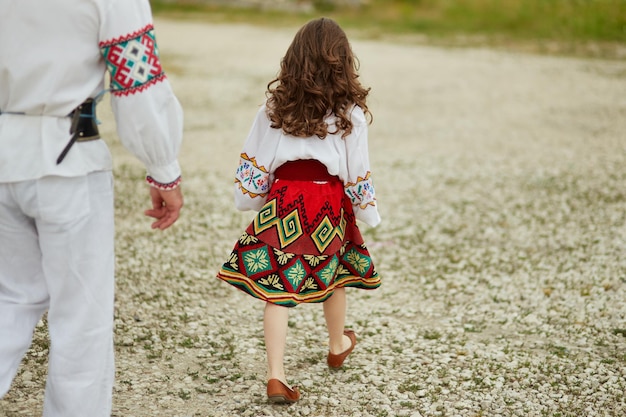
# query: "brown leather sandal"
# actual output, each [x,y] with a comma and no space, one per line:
[279,393]
[336,361]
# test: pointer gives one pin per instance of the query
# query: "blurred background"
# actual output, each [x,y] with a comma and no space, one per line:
[573,27]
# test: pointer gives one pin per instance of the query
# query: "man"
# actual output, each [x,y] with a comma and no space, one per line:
[56,197]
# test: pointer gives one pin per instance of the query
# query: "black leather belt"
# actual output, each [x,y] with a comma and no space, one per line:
[84,126]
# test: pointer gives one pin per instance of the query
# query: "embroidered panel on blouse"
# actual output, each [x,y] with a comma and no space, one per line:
[252,178]
[362,192]
[133,61]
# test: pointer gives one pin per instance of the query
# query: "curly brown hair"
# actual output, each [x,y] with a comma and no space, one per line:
[318,76]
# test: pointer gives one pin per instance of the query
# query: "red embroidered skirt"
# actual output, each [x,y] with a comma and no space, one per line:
[303,243]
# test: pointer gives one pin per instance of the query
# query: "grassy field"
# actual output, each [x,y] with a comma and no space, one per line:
[580,27]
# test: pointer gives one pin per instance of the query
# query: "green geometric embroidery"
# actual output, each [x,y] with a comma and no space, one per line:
[342,226]
[290,229]
[266,218]
[357,261]
[328,273]
[323,234]
[256,260]
[295,274]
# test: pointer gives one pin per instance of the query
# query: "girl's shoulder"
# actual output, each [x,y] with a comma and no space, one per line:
[262,110]
[262,115]
[357,115]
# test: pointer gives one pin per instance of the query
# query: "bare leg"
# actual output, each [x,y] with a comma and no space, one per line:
[335,315]
[275,329]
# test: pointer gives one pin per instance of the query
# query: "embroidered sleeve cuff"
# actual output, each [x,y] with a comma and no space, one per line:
[162,173]
[362,192]
[161,186]
[251,178]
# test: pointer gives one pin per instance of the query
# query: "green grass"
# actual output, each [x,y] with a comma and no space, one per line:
[529,20]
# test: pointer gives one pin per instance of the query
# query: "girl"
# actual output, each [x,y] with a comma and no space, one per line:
[305,169]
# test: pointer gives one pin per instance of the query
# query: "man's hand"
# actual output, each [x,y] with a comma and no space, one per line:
[166,207]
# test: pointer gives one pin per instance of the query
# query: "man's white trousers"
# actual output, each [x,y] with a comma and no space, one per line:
[56,255]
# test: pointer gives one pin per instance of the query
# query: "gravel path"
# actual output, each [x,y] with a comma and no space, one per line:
[501,179]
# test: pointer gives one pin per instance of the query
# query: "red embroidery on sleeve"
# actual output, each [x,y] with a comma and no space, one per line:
[133,61]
